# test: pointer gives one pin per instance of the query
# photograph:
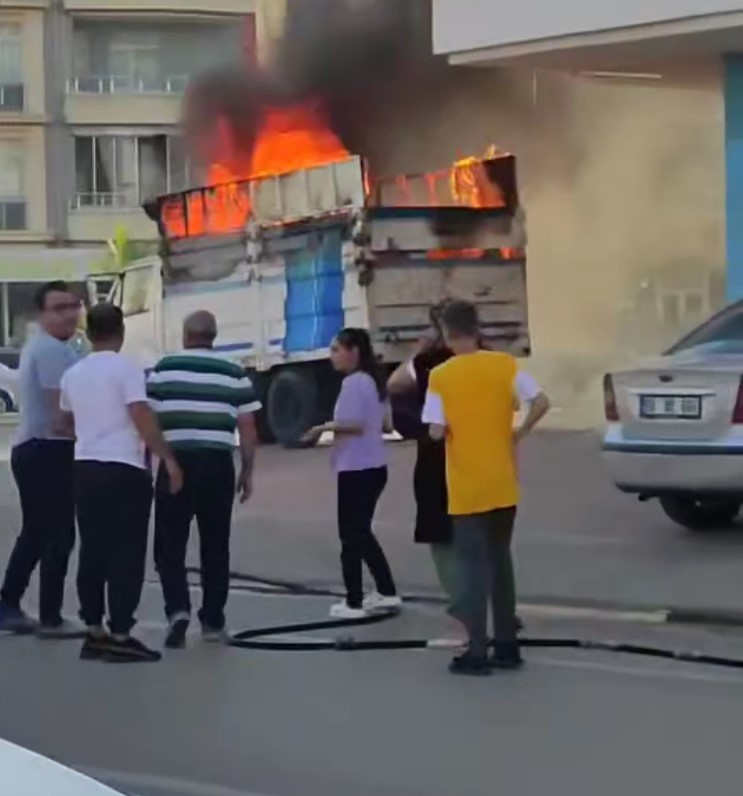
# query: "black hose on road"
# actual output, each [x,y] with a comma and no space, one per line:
[259,638]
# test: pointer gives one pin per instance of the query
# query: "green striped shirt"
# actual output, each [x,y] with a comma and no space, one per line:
[198,397]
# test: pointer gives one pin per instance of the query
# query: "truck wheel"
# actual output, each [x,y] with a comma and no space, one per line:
[700,514]
[291,406]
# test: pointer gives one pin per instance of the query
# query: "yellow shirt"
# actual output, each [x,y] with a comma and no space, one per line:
[473,396]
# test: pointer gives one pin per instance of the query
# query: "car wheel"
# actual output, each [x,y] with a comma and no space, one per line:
[6,403]
[699,514]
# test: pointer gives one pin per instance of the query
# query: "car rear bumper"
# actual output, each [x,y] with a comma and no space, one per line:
[703,471]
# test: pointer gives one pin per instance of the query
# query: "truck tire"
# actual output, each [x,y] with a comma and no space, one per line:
[700,514]
[292,406]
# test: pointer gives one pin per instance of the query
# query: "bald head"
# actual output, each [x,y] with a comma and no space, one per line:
[199,330]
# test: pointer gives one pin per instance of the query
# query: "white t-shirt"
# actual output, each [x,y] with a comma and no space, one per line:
[525,390]
[98,391]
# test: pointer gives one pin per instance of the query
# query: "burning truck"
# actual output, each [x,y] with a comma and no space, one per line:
[285,260]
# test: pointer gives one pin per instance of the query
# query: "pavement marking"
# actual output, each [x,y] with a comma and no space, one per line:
[657,617]
[535,610]
[169,785]
[635,671]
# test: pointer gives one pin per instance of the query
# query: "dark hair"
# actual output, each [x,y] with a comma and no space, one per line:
[105,322]
[58,286]
[359,339]
[460,318]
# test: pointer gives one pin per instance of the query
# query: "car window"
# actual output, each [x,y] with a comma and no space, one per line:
[723,333]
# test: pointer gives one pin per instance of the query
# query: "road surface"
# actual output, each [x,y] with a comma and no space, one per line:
[225,722]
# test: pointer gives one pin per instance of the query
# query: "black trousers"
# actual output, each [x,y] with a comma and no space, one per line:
[43,472]
[113,503]
[208,495]
[358,494]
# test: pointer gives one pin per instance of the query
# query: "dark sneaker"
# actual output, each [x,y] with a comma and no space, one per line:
[470,665]
[176,638]
[506,656]
[63,629]
[129,650]
[14,620]
[95,648]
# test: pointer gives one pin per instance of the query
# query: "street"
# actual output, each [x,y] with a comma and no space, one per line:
[592,564]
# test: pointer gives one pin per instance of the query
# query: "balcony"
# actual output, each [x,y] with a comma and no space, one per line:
[12,98]
[111,100]
[111,84]
[12,214]
[96,216]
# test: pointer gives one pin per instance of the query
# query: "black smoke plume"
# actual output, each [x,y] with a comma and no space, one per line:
[345,53]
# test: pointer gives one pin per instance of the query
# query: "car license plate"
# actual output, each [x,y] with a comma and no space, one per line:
[678,407]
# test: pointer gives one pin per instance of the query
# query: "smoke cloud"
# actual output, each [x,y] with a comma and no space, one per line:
[344,53]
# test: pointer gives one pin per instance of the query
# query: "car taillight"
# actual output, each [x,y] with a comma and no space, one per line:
[738,410]
[610,400]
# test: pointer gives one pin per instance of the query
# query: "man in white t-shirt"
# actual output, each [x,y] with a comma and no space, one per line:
[105,397]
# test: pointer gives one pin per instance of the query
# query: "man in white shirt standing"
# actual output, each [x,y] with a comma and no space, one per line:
[105,400]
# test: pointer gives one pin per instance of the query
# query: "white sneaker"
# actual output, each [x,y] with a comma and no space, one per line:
[214,635]
[378,603]
[344,611]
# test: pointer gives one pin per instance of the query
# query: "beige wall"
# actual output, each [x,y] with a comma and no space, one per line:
[623,187]
[269,25]
[91,225]
[123,109]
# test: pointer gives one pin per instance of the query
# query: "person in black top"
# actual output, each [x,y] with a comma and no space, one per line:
[433,524]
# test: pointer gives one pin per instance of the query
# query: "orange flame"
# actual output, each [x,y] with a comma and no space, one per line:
[290,138]
[297,137]
[470,184]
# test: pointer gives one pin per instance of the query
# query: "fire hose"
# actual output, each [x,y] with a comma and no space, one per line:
[268,638]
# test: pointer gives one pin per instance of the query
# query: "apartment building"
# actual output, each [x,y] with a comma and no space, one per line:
[90,94]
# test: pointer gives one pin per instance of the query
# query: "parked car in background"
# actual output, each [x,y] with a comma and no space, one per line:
[675,425]
[8,389]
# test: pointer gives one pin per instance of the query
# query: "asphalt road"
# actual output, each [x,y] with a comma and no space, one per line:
[223,722]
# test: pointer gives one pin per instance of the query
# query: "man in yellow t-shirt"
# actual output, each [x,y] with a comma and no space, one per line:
[470,402]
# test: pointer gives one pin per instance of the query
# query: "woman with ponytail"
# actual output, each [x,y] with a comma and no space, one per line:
[361,417]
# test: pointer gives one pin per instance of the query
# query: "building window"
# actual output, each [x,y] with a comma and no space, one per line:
[12,193]
[125,171]
[11,69]
[125,57]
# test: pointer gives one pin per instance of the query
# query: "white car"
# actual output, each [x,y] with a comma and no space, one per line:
[675,425]
[27,773]
[8,389]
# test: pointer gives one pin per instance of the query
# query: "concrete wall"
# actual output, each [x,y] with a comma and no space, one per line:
[469,24]
[623,187]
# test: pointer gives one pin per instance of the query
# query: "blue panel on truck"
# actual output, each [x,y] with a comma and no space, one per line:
[314,293]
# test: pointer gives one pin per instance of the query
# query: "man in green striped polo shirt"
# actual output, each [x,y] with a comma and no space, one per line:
[201,399]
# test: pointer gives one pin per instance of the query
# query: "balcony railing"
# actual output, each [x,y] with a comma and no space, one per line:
[103,201]
[12,213]
[112,84]
[12,97]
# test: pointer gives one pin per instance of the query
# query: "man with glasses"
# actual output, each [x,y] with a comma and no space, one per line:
[42,466]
